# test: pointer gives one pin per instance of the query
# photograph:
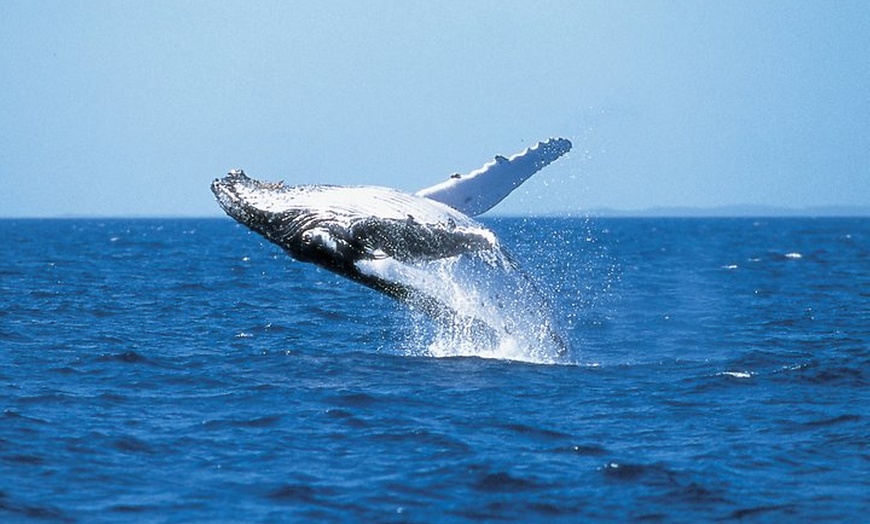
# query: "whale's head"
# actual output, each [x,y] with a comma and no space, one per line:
[251,202]
[282,214]
[245,198]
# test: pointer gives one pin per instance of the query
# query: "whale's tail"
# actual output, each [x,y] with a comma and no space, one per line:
[479,191]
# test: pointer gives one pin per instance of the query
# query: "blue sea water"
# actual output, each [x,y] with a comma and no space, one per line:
[188,371]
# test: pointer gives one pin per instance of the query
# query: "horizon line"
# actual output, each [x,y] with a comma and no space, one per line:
[728,211]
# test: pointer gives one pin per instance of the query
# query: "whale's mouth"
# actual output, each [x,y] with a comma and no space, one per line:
[225,192]
[242,197]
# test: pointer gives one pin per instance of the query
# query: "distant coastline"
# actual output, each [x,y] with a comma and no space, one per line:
[737,211]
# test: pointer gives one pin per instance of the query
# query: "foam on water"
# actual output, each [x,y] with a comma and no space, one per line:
[450,342]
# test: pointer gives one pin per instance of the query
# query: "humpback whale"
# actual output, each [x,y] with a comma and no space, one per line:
[385,239]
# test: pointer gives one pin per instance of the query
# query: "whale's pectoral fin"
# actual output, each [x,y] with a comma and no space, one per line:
[323,246]
[409,241]
[480,190]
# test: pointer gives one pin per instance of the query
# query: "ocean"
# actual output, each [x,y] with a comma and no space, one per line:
[168,370]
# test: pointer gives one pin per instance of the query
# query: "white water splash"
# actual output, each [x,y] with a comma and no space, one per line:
[486,307]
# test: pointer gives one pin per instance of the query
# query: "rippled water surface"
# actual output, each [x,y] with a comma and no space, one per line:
[185,370]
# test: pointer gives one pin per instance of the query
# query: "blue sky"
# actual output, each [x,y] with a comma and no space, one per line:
[116,108]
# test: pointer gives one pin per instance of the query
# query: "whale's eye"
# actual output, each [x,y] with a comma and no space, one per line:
[306,237]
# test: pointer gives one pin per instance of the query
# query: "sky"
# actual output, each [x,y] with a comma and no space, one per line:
[132,108]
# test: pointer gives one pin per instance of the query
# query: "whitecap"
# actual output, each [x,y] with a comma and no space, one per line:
[736,374]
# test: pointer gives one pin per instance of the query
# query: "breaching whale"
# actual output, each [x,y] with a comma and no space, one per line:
[382,237]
